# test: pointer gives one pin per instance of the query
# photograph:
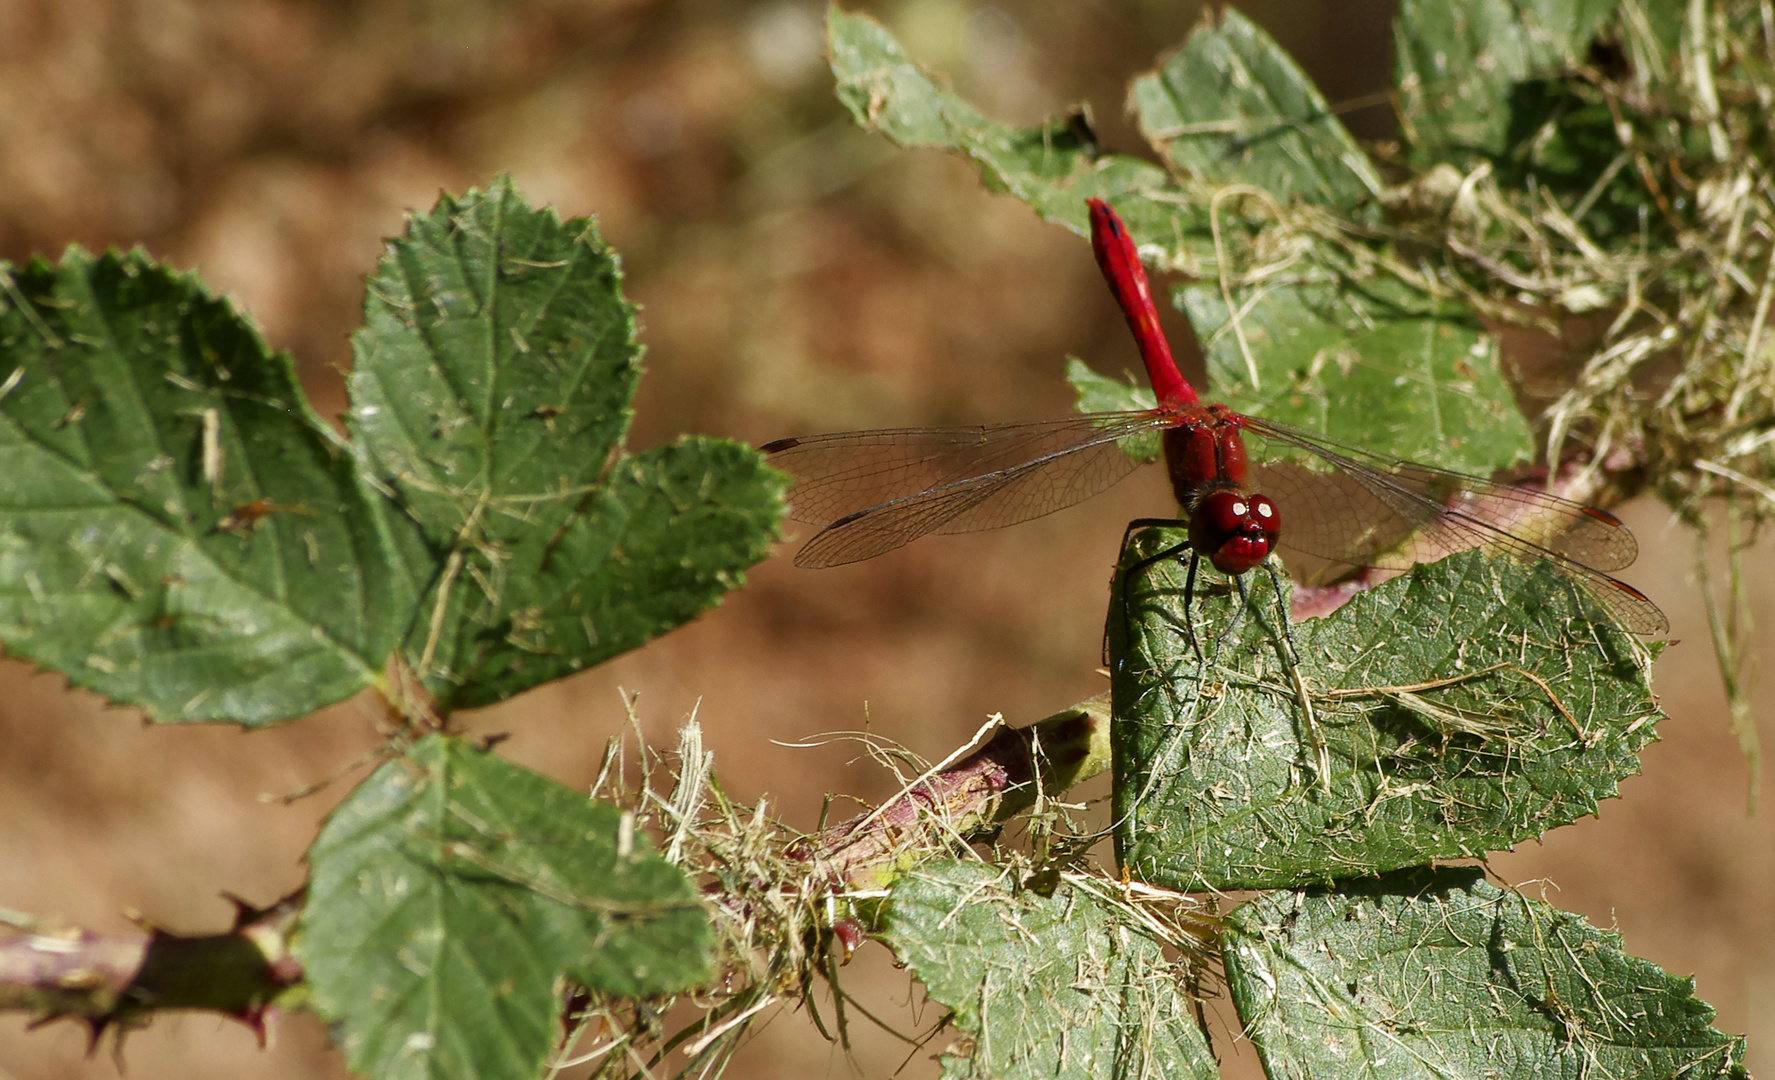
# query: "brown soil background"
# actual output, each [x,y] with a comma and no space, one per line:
[796,276]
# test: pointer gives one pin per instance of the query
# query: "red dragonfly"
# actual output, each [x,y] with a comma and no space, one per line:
[876,490]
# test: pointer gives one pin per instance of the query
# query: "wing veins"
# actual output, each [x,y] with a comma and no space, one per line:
[879,528]
[1630,605]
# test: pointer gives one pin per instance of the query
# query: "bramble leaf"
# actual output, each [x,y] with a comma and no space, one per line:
[1319,352]
[1053,167]
[1232,107]
[178,530]
[1059,986]
[492,391]
[1369,364]
[1469,705]
[1437,973]
[452,890]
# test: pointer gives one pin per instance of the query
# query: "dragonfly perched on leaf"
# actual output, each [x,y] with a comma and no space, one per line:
[873,491]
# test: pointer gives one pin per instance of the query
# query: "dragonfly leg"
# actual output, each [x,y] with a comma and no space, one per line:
[1141,565]
[1189,619]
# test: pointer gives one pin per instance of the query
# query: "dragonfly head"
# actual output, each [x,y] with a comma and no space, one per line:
[1234,531]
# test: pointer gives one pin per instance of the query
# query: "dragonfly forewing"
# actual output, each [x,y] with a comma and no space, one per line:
[877,490]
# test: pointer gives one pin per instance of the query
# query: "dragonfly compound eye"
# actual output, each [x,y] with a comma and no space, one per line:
[1234,531]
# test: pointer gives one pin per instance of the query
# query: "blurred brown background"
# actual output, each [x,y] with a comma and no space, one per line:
[796,276]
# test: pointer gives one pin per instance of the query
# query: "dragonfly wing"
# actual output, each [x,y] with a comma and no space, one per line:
[1455,509]
[1333,517]
[880,530]
[877,490]
[1390,514]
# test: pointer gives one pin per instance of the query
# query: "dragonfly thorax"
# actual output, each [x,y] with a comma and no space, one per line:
[1204,451]
[1205,455]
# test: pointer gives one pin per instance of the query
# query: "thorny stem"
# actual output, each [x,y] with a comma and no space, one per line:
[115,981]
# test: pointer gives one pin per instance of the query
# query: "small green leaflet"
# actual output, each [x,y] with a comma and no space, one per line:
[1431,974]
[450,893]
[1232,107]
[492,392]
[1063,987]
[178,530]
[1471,704]
[1099,393]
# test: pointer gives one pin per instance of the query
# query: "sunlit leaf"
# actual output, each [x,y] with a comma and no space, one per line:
[1053,167]
[1232,107]
[1469,705]
[1364,360]
[178,530]
[1436,974]
[492,392]
[1370,364]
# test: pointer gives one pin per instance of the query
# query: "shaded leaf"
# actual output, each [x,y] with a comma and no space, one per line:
[1474,703]
[1065,985]
[178,531]
[1436,974]
[1232,107]
[452,890]
[1458,66]
[492,391]
[1513,86]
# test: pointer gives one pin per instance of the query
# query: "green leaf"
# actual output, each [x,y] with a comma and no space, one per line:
[1459,66]
[1059,986]
[1472,704]
[1370,364]
[666,533]
[1436,973]
[1231,107]
[492,391]
[452,890]
[178,530]
[1051,166]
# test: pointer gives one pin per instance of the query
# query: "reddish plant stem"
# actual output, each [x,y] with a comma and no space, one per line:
[988,787]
